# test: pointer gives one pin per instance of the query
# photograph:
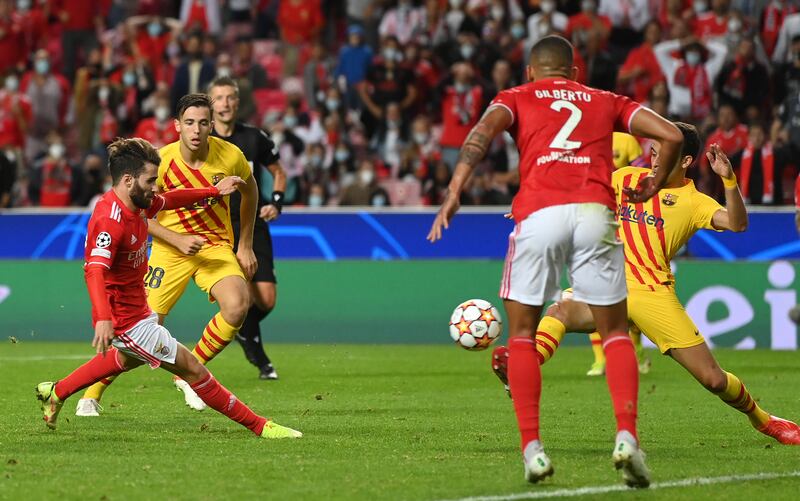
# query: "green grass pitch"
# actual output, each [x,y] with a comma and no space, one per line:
[382,422]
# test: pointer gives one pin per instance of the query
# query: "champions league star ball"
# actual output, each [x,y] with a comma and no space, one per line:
[475,324]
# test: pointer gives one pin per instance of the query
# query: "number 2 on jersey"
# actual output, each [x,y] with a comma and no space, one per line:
[562,141]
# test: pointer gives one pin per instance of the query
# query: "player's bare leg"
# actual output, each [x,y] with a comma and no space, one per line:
[622,376]
[701,364]
[264,296]
[525,383]
[216,396]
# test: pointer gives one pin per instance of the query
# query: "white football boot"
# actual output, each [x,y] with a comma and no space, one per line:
[537,464]
[189,396]
[88,407]
[629,458]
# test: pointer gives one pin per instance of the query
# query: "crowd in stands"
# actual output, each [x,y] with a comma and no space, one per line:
[370,100]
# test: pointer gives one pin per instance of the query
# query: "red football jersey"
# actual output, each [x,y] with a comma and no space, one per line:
[117,239]
[563,133]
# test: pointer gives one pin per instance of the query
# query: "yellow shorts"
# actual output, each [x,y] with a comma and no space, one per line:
[662,318]
[169,271]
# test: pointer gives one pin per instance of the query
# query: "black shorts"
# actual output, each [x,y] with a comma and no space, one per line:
[262,247]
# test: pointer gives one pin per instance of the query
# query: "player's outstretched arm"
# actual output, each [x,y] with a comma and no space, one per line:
[734,216]
[247,218]
[494,121]
[647,123]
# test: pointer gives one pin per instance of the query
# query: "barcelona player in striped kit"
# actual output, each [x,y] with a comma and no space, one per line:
[652,233]
[197,160]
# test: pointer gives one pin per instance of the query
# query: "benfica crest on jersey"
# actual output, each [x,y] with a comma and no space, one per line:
[669,199]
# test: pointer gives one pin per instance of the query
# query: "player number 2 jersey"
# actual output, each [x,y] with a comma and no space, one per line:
[209,218]
[563,131]
[652,232]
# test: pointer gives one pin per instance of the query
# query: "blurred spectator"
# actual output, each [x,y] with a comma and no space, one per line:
[759,168]
[246,68]
[354,60]
[690,68]
[8,175]
[626,14]
[158,129]
[732,137]
[48,93]
[202,15]
[435,187]
[225,68]
[80,21]
[318,77]
[715,22]
[94,180]
[11,42]
[787,80]
[194,72]
[240,15]
[135,82]
[502,77]
[404,22]
[545,22]
[300,23]
[56,182]
[29,18]
[365,190]
[787,124]
[462,105]
[97,125]
[772,18]
[151,36]
[316,196]
[391,138]
[587,20]
[387,81]
[789,30]
[601,72]
[417,157]
[744,82]
[15,115]
[641,70]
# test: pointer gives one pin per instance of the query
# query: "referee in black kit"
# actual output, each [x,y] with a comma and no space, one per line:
[260,151]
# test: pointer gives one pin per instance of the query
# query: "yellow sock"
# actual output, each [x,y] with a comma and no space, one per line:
[96,390]
[597,348]
[737,396]
[549,334]
[217,335]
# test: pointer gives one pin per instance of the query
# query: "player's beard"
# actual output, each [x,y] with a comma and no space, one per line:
[139,197]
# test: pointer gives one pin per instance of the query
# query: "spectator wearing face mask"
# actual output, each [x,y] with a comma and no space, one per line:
[15,115]
[159,129]
[354,60]
[403,22]
[713,23]
[545,22]
[387,81]
[32,24]
[391,138]
[97,124]
[626,14]
[151,37]
[461,107]
[48,92]
[690,68]
[587,19]
[54,178]
[80,21]
[316,196]
[417,157]
[318,76]
[135,82]
[364,191]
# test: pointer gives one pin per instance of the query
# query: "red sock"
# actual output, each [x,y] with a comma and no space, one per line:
[525,383]
[622,376]
[99,367]
[221,400]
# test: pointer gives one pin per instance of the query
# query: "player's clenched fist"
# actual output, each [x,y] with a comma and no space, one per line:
[229,184]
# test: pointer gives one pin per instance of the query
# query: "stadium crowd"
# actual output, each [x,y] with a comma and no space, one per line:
[370,100]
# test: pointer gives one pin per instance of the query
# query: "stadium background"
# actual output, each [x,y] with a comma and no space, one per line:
[369,101]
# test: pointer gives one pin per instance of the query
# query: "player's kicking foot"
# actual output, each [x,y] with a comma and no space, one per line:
[88,407]
[274,430]
[51,405]
[782,430]
[268,373]
[597,369]
[537,464]
[500,366]
[643,359]
[189,396]
[629,458]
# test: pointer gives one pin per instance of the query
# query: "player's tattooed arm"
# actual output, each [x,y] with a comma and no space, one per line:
[475,147]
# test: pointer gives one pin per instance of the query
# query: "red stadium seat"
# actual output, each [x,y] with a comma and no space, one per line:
[269,100]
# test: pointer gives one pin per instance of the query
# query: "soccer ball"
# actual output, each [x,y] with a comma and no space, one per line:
[475,324]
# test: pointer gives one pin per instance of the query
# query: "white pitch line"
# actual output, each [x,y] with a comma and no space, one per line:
[603,489]
[43,358]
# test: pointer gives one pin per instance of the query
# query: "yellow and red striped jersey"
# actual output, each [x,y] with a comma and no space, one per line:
[209,218]
[655,230]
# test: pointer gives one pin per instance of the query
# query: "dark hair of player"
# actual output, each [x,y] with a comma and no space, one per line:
[552,53]
[129,156]
[223,82]
[691,140]
[193,100]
